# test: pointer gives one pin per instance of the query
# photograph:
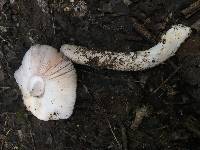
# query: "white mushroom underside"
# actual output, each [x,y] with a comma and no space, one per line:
[48,83]
[132,61]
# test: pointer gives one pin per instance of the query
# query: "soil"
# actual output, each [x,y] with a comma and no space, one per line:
[153,109]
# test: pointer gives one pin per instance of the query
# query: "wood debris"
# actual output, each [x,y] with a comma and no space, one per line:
[140,114]
[143,31]
[196,26]
[191,10]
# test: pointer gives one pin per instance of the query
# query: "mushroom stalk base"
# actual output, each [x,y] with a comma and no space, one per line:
[133,61]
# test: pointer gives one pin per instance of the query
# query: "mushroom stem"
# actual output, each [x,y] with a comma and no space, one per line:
[36,86]
[132,61]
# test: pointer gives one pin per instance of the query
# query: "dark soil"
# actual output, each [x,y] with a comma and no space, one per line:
[107,101]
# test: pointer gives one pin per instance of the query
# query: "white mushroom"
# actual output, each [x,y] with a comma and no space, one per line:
[132,61]
[48,83]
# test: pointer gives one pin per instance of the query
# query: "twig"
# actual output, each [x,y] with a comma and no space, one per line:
[31,134]
[196,25]
[139,116]
[33,140]
[191,10]
[117,141]
[142,30]
[3,141]
[124,138]
[192,124]
[3,39]
[166,80]
[106,118]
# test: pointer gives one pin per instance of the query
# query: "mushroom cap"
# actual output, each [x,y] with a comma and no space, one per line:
[48,83]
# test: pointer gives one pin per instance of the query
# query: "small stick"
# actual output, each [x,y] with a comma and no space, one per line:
[166,80]
[117,141]
[124,138]
[191,10]
[139,116]
[4,40]
[196,25]
[4,140]
[33,140]
[192,124]
[142,30]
